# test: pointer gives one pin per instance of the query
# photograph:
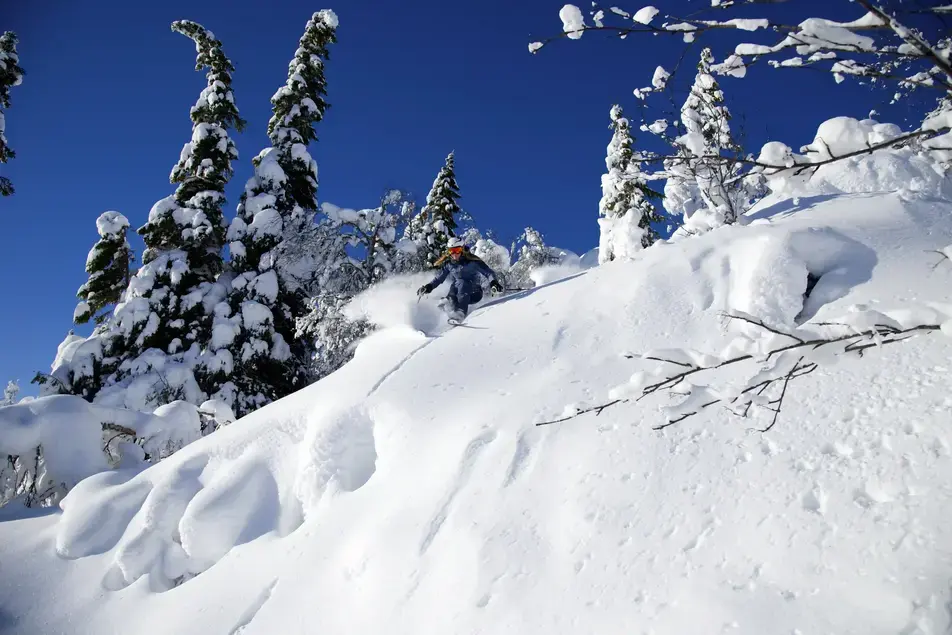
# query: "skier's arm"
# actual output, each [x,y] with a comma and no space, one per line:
[494,283]
[440,277]
[486,270]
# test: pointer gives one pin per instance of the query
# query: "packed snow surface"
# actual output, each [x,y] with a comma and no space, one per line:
[411,492]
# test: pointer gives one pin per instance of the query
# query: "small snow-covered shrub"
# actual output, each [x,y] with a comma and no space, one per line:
[47,445]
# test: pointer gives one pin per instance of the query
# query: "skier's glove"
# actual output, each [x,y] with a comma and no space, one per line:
[424,289]
[495,287]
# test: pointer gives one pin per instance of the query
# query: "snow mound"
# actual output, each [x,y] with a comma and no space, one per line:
[842,135]
[170,524]
[905,170]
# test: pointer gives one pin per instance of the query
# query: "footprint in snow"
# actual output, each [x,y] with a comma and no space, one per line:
[815,500]
[522,458]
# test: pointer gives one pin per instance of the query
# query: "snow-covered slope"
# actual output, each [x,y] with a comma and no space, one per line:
[411,492]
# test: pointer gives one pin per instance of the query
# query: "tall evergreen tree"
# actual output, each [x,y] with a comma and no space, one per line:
[10,75]
[10,394]
[108,266]
[195,223]
[436,222]
[162,330]
[276,208]
[625,210]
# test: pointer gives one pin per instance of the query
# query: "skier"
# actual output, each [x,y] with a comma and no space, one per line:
[462,268]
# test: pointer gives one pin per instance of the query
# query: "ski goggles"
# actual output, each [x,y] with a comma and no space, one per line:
[456,250]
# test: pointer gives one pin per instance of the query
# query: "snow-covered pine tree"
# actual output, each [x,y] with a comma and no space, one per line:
[276,211]
[108,265]
[162,329]
[625,211]
[298,107]
[705,183]
[437,221]
[193,221]
[10,394]
[11,74]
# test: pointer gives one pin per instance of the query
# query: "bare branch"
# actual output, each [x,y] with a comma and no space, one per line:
[596,409]
[799,167]
[910,37]
[760,324]
[783,393]
[668,361]
[944,256]
[856,342]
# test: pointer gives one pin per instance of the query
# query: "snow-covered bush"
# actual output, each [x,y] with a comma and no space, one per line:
[533,255]
[49,444]
[496,256]
[769,352]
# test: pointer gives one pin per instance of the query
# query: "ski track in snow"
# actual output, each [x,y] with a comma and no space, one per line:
[400,365]
[470,455]
[245,620]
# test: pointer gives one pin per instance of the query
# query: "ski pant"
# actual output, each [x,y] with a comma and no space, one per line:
[462,295]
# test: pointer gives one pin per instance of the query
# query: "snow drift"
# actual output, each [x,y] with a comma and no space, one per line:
[411,492]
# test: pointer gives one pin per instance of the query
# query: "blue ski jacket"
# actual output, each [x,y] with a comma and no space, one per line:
[463,274]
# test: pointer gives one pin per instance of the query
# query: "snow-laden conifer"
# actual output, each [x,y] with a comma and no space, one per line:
[437,221]
[11,74]
[625,211]
[156,347]
[107,266]
[266,360]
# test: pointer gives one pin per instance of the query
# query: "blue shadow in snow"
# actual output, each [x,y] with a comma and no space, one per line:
[523,294]
[791,206]
[16,510]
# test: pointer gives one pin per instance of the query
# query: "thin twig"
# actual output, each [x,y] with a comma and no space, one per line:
[883,334]
[761,324]
[783,392]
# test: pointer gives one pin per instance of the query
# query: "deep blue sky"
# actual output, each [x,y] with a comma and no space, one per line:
[103,112]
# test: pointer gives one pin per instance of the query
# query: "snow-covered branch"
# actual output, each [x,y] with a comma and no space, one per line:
[780,357]
[799,165]
[880,46]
